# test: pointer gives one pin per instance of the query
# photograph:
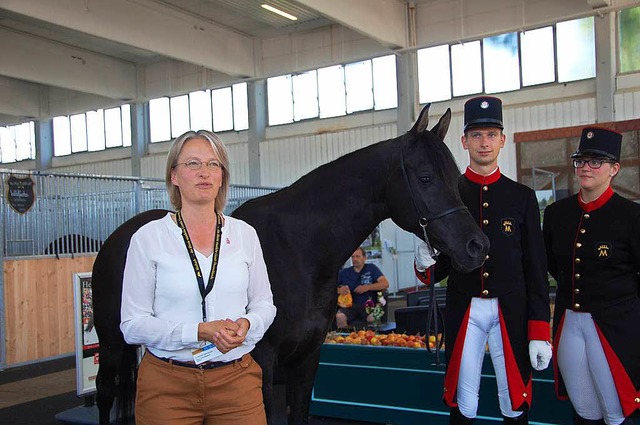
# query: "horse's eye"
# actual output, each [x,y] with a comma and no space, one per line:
[425,179]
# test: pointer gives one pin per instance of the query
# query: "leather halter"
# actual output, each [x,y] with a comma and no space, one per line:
[423,221]
[434,312]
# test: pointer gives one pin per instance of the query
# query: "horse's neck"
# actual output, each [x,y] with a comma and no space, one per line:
[345,198]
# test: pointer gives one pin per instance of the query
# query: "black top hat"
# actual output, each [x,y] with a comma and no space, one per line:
[483,111]
[599,142]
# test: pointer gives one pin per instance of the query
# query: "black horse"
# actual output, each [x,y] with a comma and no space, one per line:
[307,231]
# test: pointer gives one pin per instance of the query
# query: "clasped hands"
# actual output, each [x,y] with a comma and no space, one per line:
[225,334]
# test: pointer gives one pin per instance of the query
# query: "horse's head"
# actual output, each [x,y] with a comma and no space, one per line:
[423,194]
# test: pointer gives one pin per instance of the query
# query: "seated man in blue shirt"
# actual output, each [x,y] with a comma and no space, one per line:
[363,281]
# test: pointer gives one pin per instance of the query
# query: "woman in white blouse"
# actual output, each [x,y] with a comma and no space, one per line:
[196,294]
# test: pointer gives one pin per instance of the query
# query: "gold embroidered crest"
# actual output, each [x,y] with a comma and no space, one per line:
[507,226]
[604,250]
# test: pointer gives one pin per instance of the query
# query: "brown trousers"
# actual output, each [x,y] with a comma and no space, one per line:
[178,395]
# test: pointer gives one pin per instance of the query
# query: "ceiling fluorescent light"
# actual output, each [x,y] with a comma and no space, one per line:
[279,12]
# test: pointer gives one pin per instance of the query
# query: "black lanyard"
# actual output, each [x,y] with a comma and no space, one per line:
[194,261]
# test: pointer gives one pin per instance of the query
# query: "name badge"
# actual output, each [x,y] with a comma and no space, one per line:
[205,353]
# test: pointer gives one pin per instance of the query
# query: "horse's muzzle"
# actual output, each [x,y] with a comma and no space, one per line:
[477,250]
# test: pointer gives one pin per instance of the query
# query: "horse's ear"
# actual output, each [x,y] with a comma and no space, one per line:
[443,125]
[422,122]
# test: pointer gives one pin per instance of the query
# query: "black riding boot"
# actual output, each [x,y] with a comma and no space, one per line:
[579,420]
[520,420]
[457,418]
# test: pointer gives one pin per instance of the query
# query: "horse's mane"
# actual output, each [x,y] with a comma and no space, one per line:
[443,160]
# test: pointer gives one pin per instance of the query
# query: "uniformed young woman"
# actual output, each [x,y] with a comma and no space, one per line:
[593,249]
[504,303]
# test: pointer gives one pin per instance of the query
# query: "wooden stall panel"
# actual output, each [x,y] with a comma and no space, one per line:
[38,297]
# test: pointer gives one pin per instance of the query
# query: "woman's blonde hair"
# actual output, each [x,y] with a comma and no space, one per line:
[218,148]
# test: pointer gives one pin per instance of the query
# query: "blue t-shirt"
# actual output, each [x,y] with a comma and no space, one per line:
[368,275]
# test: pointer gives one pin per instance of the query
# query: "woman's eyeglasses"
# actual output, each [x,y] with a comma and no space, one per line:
[593,163]
[194,164]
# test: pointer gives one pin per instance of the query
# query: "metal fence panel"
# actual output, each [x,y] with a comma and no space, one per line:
[75,213]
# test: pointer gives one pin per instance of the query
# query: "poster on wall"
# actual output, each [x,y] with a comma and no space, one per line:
[86,337]
[373,246]
[20,193]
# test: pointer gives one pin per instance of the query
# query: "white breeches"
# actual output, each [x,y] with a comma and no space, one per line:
[483,328]
[585,370]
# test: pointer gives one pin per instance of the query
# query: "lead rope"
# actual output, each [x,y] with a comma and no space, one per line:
[434,311]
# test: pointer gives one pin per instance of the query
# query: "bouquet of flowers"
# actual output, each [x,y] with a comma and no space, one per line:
[376,309]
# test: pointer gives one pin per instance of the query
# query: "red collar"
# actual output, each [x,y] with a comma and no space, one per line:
[480,179]
[594,205]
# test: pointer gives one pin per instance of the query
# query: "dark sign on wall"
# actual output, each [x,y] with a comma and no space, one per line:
[20,193]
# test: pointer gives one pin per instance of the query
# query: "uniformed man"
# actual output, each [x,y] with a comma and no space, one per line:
[593,249]
[504,303]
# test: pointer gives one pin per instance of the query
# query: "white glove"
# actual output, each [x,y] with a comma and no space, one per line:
[423,258]
[539,354]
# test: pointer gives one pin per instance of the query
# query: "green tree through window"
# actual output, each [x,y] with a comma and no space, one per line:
[629,29]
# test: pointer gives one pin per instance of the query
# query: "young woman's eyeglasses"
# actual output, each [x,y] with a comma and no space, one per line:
[593,163]
[194,164]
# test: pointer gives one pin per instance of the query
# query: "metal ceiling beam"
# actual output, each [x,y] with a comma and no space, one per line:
[38,60]
[149,25]
[19,100]
[382,20]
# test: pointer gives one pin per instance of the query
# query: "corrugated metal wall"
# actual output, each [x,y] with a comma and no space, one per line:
[286,160]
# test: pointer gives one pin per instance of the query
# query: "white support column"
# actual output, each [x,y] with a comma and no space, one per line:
[406,67]
[606,52]
[139,136]
[257,127]
[44,144]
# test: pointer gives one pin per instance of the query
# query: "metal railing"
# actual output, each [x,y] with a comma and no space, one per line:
[77,212]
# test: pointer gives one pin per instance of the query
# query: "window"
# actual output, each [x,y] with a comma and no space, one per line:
[92,131]
[305,95]
[501,63]
[113,127]
[200,110]
[78,132]
[280,100]
[359,84]
[331,92]
[179,108]
[17,142]
[434,74]
[240,107]
[385,87]
[629,34]
[466,68]
[576,50]
[216,110]
[126,125]
[538,63]
[222,103]
[159,119]
[95,130]
[61,136]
